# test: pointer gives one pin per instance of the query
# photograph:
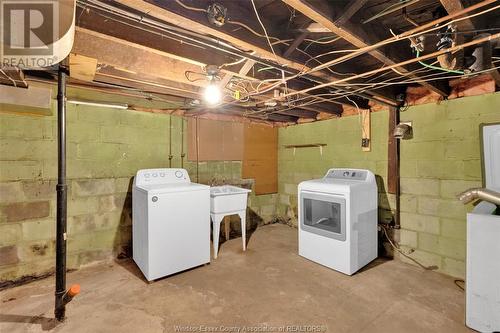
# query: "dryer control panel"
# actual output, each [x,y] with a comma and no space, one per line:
[346,174]
[162,176]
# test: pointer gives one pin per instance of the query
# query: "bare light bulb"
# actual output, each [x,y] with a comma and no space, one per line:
[212,94]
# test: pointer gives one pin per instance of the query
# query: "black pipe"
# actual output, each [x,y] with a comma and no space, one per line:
[397,215]
[170,156]
[61,217]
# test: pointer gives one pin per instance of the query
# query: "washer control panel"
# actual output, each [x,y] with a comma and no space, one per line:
[346,174]
[162,176]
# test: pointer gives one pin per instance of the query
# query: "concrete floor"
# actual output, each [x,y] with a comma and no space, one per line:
[267,287]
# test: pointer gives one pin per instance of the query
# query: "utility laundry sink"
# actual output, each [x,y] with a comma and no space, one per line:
[228,199]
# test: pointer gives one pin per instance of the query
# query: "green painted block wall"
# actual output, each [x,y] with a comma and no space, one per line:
[441,160]
[342,137]
[105,148]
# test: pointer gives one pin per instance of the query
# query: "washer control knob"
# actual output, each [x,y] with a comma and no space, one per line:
[178,174]
[162,174]
[154,199]
[155,175]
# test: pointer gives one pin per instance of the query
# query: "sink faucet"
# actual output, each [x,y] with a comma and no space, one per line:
[214,181]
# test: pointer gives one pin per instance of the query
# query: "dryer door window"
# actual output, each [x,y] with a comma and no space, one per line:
[323,215]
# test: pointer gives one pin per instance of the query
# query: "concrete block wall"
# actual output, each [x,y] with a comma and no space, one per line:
[441,160]
[342,137]
[105,148]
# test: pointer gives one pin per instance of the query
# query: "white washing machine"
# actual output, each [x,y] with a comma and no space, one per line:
[338,219]
[170,222]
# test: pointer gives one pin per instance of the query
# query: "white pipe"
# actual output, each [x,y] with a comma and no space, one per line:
[98,104]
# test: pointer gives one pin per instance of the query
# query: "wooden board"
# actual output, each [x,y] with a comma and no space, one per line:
[260,157]
[82,67]
[217,140]
[366,128]
[392,153]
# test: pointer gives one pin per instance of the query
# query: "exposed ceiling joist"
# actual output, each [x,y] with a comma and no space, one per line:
[314,27]
[139,59]
[337,109]
[356,37]
[146,83]
[160,72]
[282,117]
[185,52]
[204,29]
[295,43]
[300,113]
[168,16]
[352,8]
[244,70]
[453,6]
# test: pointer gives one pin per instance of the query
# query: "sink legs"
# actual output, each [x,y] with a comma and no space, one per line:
[216,221]
[243,217]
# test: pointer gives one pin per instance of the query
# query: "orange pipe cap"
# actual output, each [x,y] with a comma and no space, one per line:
[74,290]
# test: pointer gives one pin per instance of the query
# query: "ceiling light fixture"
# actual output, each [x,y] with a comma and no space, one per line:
[98,104]
[212,94]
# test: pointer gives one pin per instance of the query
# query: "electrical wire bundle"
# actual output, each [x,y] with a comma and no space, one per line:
[251,88]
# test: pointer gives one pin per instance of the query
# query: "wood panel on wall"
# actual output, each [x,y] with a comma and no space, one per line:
[260,157]
[217,140]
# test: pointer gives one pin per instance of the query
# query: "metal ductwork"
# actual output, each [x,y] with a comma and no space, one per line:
[481,194]
[481,56]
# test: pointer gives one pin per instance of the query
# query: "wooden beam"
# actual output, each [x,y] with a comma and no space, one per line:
[453,6]
[146,83]
[282,118]
[336,109]
[392,153]
[352,8]
[299,113]
[82,67]
[366,130]
[245,69]
[296,42]
[314,27]
[356,37]
[133,57]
